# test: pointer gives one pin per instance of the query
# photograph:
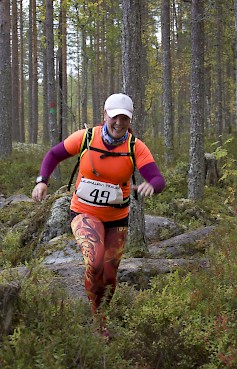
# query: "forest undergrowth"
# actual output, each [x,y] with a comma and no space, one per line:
[186,319]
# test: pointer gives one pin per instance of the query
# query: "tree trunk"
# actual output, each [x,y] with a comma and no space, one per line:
[79,124]
[53,132]
[110,53]
[104,80]
[208,94]
[235,7]
[84,79]
[196,153]
[211,170]
[79,114]
[228,116]
[181,90]
[34,76]
[30,78]
[219,73]
[133,62]
[15,74]
[62,52]
[46,139]
[94,89]
[98,71]
[5,81]
[167,86]
[9,299]
[22,80]
[84,67]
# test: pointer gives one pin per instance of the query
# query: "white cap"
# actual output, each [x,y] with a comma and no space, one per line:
[119,104]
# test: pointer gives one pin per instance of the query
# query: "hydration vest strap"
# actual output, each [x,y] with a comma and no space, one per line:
[109,153]
[88,136]
[73,174]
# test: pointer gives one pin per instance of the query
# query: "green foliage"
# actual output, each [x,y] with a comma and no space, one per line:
[165,327]
[20,223]
[176,187]
[173,202]
[219,201]
[13,215]
[227,157]
[10,250]
[54,332]
[13,250]
[18,172]
[186,319]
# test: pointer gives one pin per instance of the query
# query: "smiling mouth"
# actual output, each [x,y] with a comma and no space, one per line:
[118,129]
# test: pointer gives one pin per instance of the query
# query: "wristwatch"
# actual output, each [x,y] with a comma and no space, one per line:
[41,179]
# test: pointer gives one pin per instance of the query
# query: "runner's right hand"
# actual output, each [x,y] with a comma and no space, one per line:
[39,192]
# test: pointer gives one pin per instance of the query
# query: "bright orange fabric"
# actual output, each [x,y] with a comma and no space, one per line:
[115,170]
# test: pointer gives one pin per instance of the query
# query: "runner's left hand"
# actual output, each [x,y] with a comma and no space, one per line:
[145,189]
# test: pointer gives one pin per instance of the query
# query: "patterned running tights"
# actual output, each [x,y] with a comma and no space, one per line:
[102,249]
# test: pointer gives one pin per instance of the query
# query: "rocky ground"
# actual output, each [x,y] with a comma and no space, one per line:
[45,233]
[57,246]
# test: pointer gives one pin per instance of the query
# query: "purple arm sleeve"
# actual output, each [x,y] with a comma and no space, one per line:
[52,159]
[151,173]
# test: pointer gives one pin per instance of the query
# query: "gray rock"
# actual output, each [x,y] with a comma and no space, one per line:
[71,276]
[58,222]
[157,228]
[160,228]
[2,200]
[165,238]
[67,252]
[184,244]
[14,199]
[134,271]
[138,271]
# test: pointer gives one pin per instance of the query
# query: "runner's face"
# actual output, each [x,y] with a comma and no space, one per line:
[118,125]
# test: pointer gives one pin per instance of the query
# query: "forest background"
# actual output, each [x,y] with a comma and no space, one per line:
[59,60]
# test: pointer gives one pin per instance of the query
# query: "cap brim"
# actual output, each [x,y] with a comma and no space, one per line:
[112,113]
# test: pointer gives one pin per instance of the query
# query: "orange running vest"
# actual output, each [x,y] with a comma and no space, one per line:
[113,170]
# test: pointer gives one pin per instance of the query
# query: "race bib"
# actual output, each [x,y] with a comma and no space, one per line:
[99,193]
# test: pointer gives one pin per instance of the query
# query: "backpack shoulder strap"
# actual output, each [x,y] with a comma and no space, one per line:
[132,144]
[86,139]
